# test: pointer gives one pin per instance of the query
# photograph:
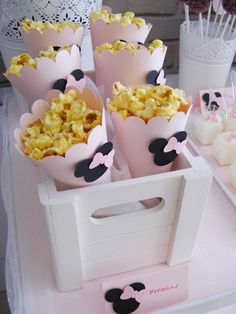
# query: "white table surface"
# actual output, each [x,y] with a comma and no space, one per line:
[30,281]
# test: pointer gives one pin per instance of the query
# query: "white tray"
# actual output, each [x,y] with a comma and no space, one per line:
[221,173]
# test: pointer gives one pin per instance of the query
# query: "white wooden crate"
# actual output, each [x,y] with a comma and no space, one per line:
[85,247]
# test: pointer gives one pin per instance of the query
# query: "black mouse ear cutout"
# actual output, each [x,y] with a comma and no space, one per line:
[113,295]
[137,286]
[122,40]
[152,77]
[140,44]
[78,74]
[105,148]
[180,136]
[157,145]
[56,48]
[206,98]
[60,85]
[218,94]
[214,106]
[95,174]
[82,168]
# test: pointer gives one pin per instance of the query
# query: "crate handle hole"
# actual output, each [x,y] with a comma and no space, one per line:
[148,206]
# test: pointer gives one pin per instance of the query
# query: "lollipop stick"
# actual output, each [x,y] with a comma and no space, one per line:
[186,9]
[214,24]
[233,88]
[232,24]
[220,23]
[208,18]
[234,33]
[216,17]
[226,25]
[201,24]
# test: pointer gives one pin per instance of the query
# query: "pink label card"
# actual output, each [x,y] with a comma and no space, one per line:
[216,99]
[147,292]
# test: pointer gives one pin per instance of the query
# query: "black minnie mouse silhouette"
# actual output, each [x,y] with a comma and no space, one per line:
[93,168]
[61,83]
[156,78]
[128,303]
[214,104]
[165,151]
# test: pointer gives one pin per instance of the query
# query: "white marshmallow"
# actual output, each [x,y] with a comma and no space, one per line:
[229,123]
[224,148]
[207,126]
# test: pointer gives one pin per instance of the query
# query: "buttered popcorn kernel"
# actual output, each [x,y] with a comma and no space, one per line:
[51,52]
[118,45]
[41,25]
[146,101]
[24,59]
[124,19]
[18,62]
[69,121]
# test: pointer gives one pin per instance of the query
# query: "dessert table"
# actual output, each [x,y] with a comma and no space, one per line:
[30,282]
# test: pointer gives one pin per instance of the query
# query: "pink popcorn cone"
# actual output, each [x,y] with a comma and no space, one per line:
[102,32]
[129,69]
[80,156]
[34,83]
[135,138]
[36,41]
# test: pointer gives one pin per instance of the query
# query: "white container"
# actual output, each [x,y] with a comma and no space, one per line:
[204,63]
[85,247]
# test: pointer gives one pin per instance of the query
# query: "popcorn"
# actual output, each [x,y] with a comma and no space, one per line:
[41,26]
[155,44]
[24,59]
[69,121]
[18,62]
[124,19]
[147,101]
[118,45]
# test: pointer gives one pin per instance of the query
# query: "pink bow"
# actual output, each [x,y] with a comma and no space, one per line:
[173,144]
[231,137]
[129,293]
[212,116]
[161,80]
[100,159]
[71,82]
